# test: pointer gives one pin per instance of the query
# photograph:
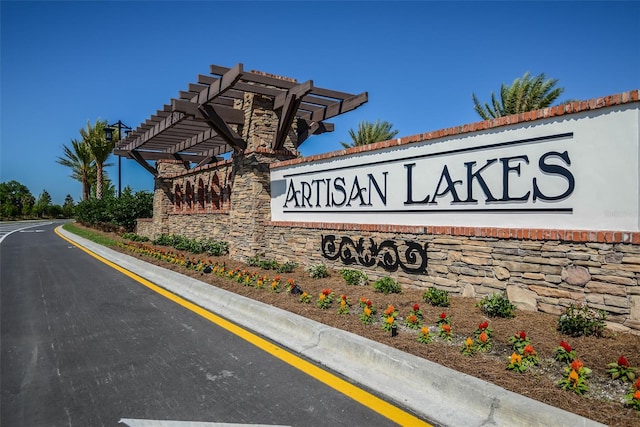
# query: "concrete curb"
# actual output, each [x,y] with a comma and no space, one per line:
[436,393]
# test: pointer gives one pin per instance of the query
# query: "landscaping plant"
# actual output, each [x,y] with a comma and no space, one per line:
[497,305]
[580,320]
[436,297]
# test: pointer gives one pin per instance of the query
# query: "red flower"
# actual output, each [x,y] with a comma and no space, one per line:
[622,361]
[566,346]
[443,315]
[576,365]
[483,325]
[326,292]
[636,385]
[416,307]
[523,335]
[369,303]
[528,350]
[344,297]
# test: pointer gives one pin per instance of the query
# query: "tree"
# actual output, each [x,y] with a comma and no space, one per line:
[67,207]
[28,202]
[12,195]
[369,132]
[80,160]
[43,204]
[525,94]
[100,150]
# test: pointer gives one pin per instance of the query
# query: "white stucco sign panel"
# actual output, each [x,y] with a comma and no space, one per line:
[578,171]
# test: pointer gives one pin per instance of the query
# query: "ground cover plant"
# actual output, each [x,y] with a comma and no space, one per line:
[526,353]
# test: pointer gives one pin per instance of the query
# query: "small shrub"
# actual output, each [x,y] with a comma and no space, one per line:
[436,297]
[318,271]
[134,237]
[581,320]
[354,277]
[215,247]
[387,285]
[287,267]
[497,305]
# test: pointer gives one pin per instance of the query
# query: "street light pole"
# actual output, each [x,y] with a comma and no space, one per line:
[109,137]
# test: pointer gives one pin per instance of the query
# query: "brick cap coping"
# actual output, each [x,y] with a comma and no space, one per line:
[545,113]
[578,236]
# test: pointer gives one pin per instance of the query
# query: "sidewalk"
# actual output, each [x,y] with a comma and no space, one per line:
[438,394]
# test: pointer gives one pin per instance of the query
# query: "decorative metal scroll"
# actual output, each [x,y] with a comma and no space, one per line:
[411,257]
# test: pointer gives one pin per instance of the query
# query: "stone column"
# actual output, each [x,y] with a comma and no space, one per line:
[251,189]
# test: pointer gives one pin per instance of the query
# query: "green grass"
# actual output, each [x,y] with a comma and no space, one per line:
[89,235]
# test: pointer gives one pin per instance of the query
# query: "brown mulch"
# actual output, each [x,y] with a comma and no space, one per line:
[603,402]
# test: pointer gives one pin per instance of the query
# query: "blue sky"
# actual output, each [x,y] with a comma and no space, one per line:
[66,63]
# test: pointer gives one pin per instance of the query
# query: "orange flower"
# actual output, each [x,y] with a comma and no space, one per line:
[516,359]
[424,331]
[343,303]
[322,297]
[636,385]
[367,311]
[389,311]
[390,320]
[446,328]
[574,377]
[636,395]
[528,350]
[468,342]
[483,337]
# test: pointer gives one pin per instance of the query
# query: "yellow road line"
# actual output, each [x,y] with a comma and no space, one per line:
[363,397]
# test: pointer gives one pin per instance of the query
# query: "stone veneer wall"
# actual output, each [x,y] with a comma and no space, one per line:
[540,270]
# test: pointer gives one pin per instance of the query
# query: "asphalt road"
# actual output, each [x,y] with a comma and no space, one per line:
[84,345]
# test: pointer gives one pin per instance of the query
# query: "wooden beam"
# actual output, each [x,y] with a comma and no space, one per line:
[290,103]
[339,107]
[221,128]
[224,83]
[229,115]
[166,123]
[138,158]
[306,129]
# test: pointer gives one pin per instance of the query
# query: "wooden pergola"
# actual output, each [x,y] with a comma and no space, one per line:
[197,127]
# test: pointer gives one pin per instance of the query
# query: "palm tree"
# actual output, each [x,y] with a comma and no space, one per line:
[79,159]
[368,133]
[525,94]
[100,150]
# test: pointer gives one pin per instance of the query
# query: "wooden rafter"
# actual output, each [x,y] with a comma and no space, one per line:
[218,124]
[290,102]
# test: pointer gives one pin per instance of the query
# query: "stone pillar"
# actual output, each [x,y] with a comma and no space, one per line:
[251,183]
[163,196]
